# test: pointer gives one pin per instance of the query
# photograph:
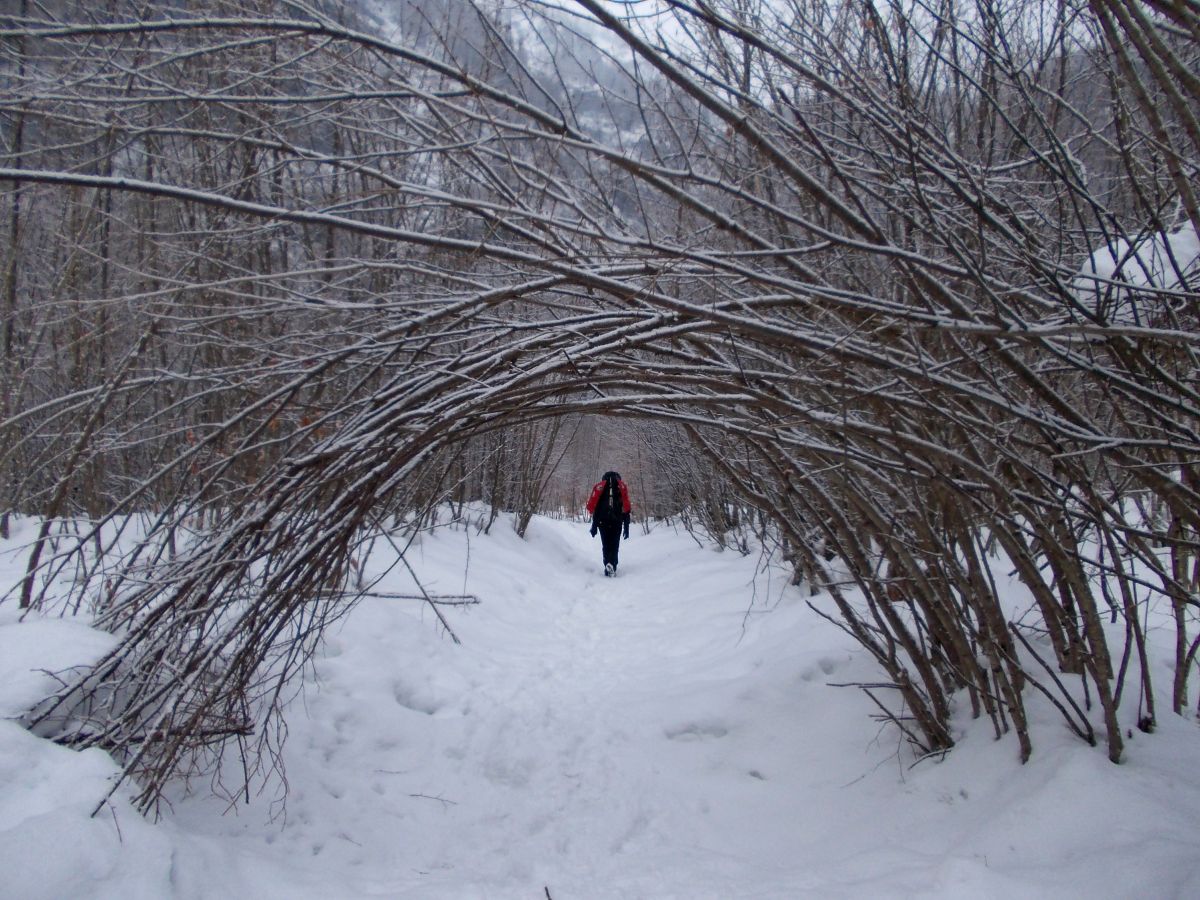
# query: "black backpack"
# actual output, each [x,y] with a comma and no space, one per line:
[610,507]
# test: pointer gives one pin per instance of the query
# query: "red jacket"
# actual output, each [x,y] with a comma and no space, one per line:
[598,492]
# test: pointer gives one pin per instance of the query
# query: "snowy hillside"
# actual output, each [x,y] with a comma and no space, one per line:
[670,733]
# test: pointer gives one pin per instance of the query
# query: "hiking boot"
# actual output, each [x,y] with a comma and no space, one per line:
[609,570]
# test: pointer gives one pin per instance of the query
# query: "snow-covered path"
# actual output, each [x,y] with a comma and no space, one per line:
[666,734]
[597,737]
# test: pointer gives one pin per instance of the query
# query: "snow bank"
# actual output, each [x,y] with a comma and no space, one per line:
[52,847]
[1110,279]
[36,654]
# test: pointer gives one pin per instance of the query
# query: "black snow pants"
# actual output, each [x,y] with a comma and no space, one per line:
[610,537]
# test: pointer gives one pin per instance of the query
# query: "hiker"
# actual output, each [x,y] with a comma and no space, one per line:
[609,506]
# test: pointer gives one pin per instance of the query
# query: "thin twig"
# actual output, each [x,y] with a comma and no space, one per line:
[437,599]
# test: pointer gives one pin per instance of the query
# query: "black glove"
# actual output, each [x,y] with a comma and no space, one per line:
[593,529]
[626,531]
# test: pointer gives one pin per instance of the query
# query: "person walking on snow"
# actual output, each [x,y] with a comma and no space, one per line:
[609,507]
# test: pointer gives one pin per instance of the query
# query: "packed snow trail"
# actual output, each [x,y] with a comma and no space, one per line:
[669,733]
[593,736]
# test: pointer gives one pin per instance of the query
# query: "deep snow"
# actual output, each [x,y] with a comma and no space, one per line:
[668,733]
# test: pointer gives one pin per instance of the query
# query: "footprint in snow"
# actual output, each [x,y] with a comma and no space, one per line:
[825,666]
[406,697]
[333,790]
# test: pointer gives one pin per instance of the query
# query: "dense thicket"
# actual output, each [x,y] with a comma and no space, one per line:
[915,280]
